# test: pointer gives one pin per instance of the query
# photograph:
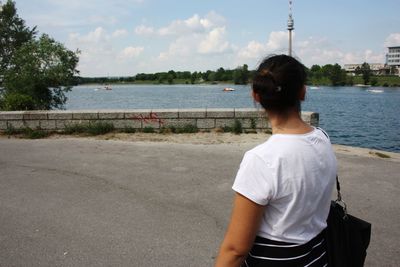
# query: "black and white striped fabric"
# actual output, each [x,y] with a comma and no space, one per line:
[272,253]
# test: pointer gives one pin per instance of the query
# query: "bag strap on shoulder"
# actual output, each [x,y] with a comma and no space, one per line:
[339,199]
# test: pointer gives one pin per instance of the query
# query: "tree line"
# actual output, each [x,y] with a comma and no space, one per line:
[329,74]
[240,75]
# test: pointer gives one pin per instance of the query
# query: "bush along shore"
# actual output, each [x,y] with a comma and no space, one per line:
[101,128]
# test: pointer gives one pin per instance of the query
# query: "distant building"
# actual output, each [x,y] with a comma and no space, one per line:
[376,68]
[393,59]
[393,56]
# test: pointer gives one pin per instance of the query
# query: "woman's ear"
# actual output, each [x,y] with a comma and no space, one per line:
[302,94]
[256,96]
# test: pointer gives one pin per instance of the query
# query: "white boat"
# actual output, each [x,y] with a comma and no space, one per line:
[362,85]
[375,91]
[228,89]
[314,87]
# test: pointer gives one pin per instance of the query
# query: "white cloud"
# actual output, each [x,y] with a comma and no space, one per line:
[130,52]
[194,24]
[196,37]
[214,42]
[144,30]
[119,33]
[276,44]
[100,55]
[393,40]
[253,50]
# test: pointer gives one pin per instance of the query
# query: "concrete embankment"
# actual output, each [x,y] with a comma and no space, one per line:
[87,202]
[204,119]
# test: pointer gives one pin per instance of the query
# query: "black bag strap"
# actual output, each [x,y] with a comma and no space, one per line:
[327,136]
[339,199]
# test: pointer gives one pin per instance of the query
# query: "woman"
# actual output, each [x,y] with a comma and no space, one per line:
[284,186]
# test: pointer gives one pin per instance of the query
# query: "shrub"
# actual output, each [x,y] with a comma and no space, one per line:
[188,128]
[92,128]
[17,101]
[253,124]
[35,133]
[237,127]
[128,129]
[227,129]
[74,128]
[98,128]
[11,130]
[148,129]
[27,132]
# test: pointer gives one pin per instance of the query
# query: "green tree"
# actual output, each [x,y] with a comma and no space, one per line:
[334,73]
[13,34]
[366,72]
[43,70]
[241,75]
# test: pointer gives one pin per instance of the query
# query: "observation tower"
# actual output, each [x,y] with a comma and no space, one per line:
[290,27]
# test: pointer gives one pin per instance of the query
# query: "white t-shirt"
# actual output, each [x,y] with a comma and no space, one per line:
[293,176]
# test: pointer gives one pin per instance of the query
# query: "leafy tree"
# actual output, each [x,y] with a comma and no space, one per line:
[219,74]
[366,72]
[36,73]
[42,69]
[241,75]
[13,34]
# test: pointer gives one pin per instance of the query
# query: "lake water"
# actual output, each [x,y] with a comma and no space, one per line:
[364,117]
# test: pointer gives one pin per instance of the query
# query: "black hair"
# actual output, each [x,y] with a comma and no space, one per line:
[278,82]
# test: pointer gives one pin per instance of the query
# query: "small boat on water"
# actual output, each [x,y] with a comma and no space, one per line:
[107,87]
[362,85]
[313,87]
[375,91]
[228,89]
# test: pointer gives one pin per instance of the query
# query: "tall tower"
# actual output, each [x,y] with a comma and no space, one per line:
[290,27]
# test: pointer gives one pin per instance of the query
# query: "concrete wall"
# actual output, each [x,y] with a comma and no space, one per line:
[138,119]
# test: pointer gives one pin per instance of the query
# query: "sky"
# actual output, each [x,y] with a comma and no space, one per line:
[126,37]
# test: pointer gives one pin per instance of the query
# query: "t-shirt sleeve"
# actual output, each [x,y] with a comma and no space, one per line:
[254,179]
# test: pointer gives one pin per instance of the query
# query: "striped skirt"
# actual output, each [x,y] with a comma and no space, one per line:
[271,253]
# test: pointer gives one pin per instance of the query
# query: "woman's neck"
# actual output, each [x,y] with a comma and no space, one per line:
[290,123]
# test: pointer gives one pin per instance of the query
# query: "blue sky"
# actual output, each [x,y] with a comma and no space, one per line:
[125,37]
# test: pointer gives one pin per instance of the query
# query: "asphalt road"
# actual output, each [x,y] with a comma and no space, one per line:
[79,202]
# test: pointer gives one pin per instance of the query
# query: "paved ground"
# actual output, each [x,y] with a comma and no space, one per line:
[79,202]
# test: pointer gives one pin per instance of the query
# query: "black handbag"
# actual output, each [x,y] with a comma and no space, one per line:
[347,236]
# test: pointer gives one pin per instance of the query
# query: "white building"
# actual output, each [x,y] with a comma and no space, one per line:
[393,59]
[393,56]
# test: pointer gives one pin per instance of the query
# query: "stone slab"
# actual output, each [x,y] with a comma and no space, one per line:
[192,113]
[178,122]
[224,122]
[3,125]
[137,114]
[165,113]
[85,115]
[248,113]
[35,115]
[60,115]
[133,124]
[48,124]
[220,113]
[111,115]
[18,124]
[205,123]
[11,115]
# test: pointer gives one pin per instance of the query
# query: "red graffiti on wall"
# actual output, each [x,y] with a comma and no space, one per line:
[152,117]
